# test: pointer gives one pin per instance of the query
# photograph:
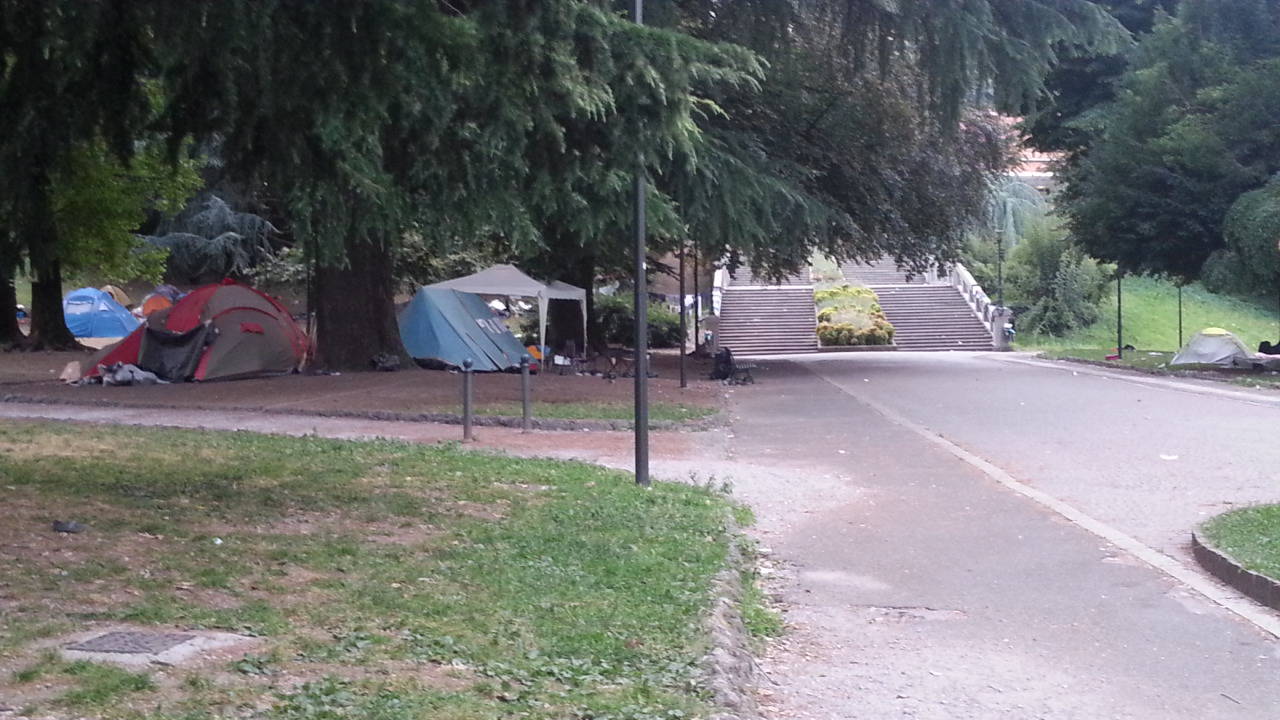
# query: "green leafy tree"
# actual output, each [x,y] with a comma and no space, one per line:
[209,241]
[510,121]
[862,140]
[70,83]
[1064,117]
[1192,128]
[99,201]
[1012,209]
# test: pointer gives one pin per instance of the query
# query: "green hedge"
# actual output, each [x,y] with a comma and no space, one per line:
[616,317]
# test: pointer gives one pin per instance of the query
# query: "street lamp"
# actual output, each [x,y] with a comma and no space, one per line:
[641,363]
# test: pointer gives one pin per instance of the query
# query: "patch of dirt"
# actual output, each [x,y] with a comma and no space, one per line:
[408,391]
[18,367]
[408,535]
[425,674]
[525,487]
[82,564]
[50,445]
[496,510]
[305,524]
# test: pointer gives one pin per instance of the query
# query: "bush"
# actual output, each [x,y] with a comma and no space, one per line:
[1060,287]
[880,332]
[1224,273]
[1250,263]
[850,315]
[1070,304]
[616,317]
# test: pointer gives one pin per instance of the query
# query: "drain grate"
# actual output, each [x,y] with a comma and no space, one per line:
[147,643]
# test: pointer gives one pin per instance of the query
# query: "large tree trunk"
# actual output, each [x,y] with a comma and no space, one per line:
[48,325]
[355,308]
[10,334]
[564,319]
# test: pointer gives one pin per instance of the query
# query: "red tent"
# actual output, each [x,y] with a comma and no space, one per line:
[214,332]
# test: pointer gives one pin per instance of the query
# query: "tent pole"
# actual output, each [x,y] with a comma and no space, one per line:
[641,364]
[542,326]
[684,322]
[1119,315]
[697,299]
[1179,317]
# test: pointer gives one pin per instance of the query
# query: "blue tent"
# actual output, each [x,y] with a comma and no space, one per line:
[450,326]
[92,313]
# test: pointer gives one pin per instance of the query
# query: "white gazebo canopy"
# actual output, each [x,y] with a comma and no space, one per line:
[510,281]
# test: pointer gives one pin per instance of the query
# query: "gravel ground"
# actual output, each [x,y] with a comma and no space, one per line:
[34,376]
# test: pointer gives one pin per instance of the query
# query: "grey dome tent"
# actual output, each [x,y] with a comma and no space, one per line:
[510,281]
[1214,346]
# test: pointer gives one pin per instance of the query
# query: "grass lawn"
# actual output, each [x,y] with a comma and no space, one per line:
[23,286]
[1151,319]
[1251,536]
[386,580]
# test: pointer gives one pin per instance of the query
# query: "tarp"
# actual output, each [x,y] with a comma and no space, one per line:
[1214,346]
[449,326]
[92,313]
[510,281]
[117,294]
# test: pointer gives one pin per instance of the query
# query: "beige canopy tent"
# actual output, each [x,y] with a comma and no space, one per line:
[510,281]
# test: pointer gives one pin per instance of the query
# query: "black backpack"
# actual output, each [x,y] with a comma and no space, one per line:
[723,367]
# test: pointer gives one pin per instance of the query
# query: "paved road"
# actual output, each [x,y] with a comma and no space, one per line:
[920,587]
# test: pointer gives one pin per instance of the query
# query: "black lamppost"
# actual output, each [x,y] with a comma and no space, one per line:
[641,363]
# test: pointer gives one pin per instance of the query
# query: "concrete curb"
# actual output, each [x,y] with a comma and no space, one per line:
[1138,377]
[1257,586]
[729,667]
[479,420]
[856,348]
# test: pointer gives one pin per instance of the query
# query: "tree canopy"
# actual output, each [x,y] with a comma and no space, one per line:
[1064,118]
[765,129]
[1192,128]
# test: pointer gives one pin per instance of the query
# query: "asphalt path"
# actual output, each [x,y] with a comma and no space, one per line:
[1001,540]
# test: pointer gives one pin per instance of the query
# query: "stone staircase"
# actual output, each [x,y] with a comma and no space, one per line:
[932,317]
[925,316]
[877,272]
[759,317]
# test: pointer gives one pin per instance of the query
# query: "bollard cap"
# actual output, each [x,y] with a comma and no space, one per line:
[468,364]
[525,359]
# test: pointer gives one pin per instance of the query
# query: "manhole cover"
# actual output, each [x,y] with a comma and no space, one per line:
[147,643]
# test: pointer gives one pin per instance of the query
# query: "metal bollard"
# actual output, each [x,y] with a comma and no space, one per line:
[526,418]
[467,375]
